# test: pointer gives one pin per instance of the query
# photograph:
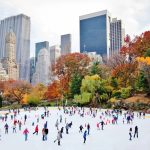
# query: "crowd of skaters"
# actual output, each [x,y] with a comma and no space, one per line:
[105,118]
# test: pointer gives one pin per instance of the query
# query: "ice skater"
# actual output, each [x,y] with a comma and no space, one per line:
[67,128]
[36,130]
[26,132]
[102,125]
[84,136]
[130,134]
[136,132]
[58,138]
[20,124]
[88,128]
[14,128]
[6,128]
[80,128]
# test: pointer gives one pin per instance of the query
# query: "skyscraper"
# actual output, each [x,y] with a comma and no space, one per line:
[32,67]
[117,35]
[42,70]
[39,46]
[20,25]
[95,33]
[9,61]
[54,53]
[65,44]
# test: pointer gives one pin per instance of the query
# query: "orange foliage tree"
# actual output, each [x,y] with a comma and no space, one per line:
[53,91]
[124,66]
[15,91]
[125,73]
[67,65]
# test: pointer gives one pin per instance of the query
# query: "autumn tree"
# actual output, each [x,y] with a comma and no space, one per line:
[16,90]
[36,95]
[138,46]
[123,70]
[54,91]
[68,65]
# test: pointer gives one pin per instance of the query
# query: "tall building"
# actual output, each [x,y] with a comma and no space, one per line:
[39,46]
[117,36]
[9,61]
[3,73]
[55,53]
[65,44]
[32,67]
[20,25]
[42,69]
[95,33]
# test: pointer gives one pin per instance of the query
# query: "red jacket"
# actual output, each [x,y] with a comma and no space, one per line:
[25,131]
[36,128]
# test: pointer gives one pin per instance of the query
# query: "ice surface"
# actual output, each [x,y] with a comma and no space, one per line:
[113,137]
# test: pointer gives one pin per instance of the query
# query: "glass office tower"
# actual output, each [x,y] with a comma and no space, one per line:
[95,33]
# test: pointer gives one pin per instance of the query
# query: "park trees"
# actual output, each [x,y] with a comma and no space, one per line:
[15,91]
[68,67]
[53,91]
[36,95]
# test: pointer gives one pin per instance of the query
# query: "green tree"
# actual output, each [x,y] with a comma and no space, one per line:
[91,84]
[114,82]
[95,68]
[83,99]
[125,92]
[142,83]
[75,84]
[33,100]
[147,53]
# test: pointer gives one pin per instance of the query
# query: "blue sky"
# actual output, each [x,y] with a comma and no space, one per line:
[51,18]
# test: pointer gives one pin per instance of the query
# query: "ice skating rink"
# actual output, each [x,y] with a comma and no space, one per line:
[113,137]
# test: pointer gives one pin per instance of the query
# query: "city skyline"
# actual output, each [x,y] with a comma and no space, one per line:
[49,24]
[20,25]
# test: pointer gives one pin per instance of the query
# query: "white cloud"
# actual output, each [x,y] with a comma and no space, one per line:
[51,18]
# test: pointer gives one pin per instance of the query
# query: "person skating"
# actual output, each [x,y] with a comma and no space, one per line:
[36,130]
[67,128]
[26,132]
[46,134]
[81,128]
[20,124]
[58,138]
[61,131]
[43,134]
[102,125]
[14,128]
[56,124]
[6,128]
[70,124]
[60,118]
[25,118]
[136,132]
[84,136]
[130,134]
[45,125]
[88,128]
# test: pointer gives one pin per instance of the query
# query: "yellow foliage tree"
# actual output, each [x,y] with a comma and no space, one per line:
[144,64]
